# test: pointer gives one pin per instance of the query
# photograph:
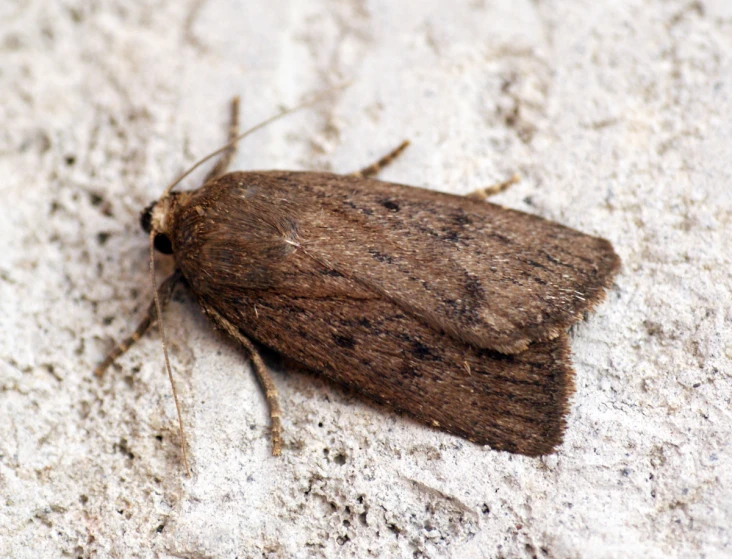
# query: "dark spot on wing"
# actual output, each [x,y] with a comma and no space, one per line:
[461,219]
[473,287]
[365,211]
[380,256]
[390,205]
[423,352]
[501,238]
[346,342]
[451,236]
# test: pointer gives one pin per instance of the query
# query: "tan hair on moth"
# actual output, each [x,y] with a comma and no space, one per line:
[447,308]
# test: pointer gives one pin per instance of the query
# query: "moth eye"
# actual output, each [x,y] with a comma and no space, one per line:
[163,244]
[146,218]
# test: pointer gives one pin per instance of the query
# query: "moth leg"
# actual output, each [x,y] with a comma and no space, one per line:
[226,157]
[265,380]
[164,292]
[374,168]
[484,193]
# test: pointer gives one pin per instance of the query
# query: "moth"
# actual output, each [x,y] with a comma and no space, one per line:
[446,308]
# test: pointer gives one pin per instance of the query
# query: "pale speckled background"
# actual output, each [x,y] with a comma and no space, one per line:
[618,115]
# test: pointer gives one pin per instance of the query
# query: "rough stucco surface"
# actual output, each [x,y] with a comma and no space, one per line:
[617,116]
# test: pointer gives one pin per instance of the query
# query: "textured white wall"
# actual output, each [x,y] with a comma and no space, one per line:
[616,114]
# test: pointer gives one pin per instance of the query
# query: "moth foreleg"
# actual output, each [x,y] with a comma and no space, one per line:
[487,192]
[268,385]
[374,168]
[223,163]
[164,292]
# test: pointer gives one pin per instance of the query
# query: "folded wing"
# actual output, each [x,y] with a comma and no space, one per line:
[486,275]
[515,402]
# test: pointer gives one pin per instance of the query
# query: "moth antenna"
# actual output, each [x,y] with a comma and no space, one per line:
[158,309]
[254,128]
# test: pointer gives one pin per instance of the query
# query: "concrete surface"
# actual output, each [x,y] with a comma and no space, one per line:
[618,116]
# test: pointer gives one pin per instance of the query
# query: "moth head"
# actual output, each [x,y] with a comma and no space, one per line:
[156,217]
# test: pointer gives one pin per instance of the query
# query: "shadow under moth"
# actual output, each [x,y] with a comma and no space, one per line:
[447,308]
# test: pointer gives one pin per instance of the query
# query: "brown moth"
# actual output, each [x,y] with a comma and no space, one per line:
[447,308]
